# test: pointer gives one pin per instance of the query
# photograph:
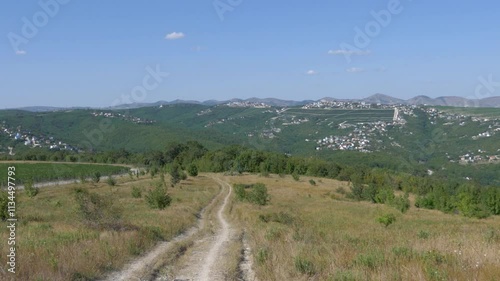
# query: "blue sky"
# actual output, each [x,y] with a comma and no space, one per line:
[95,53]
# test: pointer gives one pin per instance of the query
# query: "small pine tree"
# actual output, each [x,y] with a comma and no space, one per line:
[158,198]
[175,174]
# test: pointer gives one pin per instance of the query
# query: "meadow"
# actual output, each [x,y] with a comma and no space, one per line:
[84,230]
[40,172]
[312,232]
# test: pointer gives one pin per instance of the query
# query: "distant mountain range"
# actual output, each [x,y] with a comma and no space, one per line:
[453,101]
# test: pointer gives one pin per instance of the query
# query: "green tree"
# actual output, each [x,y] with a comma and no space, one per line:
[175,174]
[158,197]
[193,170]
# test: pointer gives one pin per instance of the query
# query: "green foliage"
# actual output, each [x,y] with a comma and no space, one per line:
[153,171]
[83,178]
[312,182]
[296,176]
[402,203]
[345,275]
[4,203]
[175,174]
[384,195]
[281,217]
[193,170]
[304,266]
[403,252]
[422,234]
[41,172]
[387,219]
[340,190]
[111,181]
[371,260]
[136,192]
[374,175]
[30,189]
[96,177]
[257,193]
[239,190]
[158,197]
[262,256]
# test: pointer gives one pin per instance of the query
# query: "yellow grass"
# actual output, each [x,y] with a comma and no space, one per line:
[54,244]
[331,238]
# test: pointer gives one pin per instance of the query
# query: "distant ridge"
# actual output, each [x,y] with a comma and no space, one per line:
[378,98]
[383,99]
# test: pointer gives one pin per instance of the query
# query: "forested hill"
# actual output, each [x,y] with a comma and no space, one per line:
[406,138]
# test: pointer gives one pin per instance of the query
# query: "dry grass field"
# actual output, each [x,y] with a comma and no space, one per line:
[306,232]
[311,232]
[54,242]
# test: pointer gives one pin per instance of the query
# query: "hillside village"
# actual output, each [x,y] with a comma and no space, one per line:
[347,135]
[133,119]
[31,139]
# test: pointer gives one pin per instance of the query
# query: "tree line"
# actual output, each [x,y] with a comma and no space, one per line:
[370,180]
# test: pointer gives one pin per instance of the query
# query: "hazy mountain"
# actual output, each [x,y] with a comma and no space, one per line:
[490,102]
[383,99]
[376,98]
[420,100]
[47,108]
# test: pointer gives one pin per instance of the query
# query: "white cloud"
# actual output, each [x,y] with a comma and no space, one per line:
[175,36]
[311,72]
[349,52]
[354,70]
[20,52]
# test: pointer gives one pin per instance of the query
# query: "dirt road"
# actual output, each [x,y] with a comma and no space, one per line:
[206,259]
[214,251]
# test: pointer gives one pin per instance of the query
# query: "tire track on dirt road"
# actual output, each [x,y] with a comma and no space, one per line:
[143,267]
[208,272]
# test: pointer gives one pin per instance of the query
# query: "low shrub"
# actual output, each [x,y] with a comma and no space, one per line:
[387,219]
